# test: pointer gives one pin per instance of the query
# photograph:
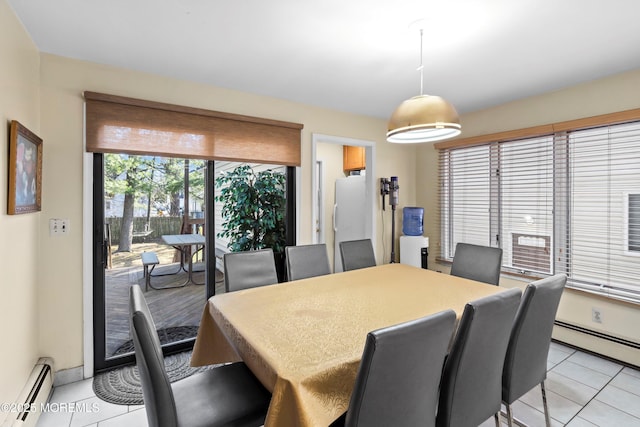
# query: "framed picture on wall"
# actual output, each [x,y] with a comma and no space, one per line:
[25,170]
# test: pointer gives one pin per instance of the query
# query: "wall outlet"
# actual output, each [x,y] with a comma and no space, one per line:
[58,226]
[596,315]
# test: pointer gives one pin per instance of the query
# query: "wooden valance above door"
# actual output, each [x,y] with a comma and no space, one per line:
[116,124]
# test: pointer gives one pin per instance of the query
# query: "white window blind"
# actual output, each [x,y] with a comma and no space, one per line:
[465,197]
[603,170]
[565,202]
[526,204]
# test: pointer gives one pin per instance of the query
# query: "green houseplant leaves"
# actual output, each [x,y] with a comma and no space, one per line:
[253,208]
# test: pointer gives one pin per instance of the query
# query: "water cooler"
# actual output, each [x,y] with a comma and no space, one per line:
[414,247]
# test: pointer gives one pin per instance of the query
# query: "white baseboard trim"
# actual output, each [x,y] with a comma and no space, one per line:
[67,376]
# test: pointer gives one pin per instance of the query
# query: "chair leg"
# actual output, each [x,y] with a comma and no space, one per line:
[147,277]
[496,416]
[544,404]
[509,415]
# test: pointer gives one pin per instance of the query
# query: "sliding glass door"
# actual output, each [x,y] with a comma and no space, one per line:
[164,224]
[144,201]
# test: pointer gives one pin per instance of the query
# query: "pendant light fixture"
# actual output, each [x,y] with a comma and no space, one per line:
[423,118]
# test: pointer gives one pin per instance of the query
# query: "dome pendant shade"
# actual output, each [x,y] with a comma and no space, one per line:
[423,118]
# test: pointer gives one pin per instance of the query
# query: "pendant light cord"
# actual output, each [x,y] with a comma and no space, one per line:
[421,67]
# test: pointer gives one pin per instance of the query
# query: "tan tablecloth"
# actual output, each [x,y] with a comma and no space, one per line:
[304,339]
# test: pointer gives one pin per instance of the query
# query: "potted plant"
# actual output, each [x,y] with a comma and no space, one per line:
[253,210]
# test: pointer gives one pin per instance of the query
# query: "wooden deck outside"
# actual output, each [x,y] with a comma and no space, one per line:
[170,308]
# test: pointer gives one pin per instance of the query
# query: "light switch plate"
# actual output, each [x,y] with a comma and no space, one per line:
[58,226]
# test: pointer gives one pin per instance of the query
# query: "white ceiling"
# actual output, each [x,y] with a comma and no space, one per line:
[351,55]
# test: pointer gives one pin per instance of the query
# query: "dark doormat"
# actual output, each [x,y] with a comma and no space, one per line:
[122,385]
[166,336]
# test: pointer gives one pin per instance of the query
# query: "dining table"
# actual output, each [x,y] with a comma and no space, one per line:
[184,244]
[304,339]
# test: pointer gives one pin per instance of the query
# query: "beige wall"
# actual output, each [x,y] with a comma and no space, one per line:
[20,234]
[62,83]
[617,93]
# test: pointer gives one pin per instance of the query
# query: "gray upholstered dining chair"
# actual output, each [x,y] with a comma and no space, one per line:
[525,364]
[249,269]
[399,375]
[225,395]
[471,386]
[307,261]
[480,263]
[357,254]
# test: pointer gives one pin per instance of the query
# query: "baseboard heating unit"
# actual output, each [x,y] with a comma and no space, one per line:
[34,395]
[600,335]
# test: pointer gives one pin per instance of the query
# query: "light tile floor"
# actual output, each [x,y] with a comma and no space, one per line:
[582,391]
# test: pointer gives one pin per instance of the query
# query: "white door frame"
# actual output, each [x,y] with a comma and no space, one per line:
[370,156]
[318,202]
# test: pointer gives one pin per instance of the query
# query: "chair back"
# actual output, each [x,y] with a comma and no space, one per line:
[480,263]
[471,387]
[357,254]
[156,387]
[525,363]
[399,375]
[307,261]
[249,269]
